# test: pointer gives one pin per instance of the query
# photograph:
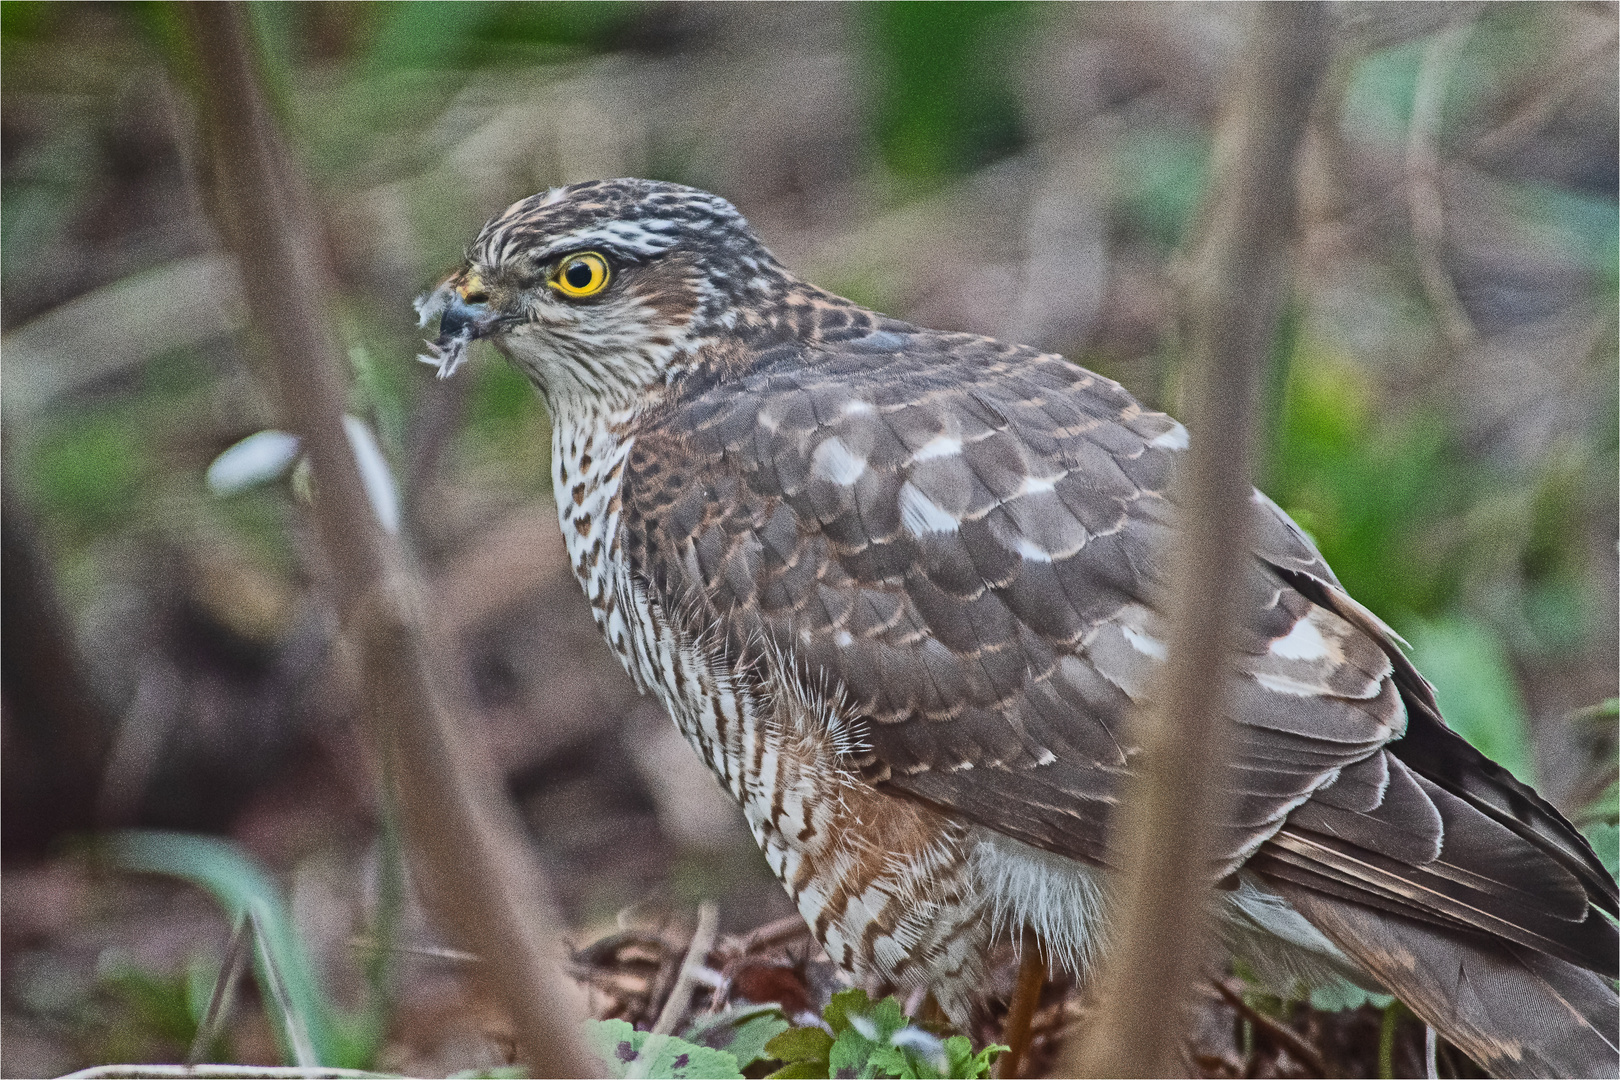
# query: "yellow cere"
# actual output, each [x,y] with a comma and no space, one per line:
[472,289]
[578,276]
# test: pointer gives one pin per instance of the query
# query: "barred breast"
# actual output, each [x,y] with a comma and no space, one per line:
[887,885]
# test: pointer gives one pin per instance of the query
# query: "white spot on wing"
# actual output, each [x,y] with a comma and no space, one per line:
[1036,485]
[835,461]
[1303,642]
[1144,643]
[842,638]
[937,447]
[1282,684]
[1031,551]
[920,514]
[1174,439]
[856,407]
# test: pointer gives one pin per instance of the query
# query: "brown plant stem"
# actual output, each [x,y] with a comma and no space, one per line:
[474,872]
[1280,1034]
[1026,997]
[1166,827]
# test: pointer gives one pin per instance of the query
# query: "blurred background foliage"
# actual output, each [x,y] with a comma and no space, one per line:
[1442,413]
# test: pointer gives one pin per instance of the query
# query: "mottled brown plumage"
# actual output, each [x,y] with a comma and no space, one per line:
[901,588]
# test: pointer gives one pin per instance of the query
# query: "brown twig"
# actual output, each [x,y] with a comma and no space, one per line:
[475,874]
[362,943]
[1026,995]
[697,955]
[1563,80]
[1280,1034]
[57,734]
[1164,834]
[772,934]
[224,993]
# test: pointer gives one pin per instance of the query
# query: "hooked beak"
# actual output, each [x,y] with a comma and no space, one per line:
[461,321]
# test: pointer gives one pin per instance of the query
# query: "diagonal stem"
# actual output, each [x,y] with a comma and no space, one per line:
[473,867]
[292,1021]
[223,995]
[697,954]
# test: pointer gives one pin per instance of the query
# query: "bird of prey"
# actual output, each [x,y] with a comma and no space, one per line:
[901,588]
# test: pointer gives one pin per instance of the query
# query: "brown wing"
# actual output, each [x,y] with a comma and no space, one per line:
[967,540]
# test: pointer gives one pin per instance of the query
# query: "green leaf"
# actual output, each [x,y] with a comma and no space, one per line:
[238,883]
[1340,995]
[887,1017]
[802,1070]
[851,1054]
[1474,686]
[1162,175]
[875,1039]
[160,1002]
[801,1044]
[1605,841]
[842,1004]
[741,1032]
[947,98]
[673,1058]
[892,1061]
[91,473]
[1378,101]
[964,1063]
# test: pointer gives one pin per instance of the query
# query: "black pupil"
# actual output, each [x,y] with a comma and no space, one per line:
[579,274]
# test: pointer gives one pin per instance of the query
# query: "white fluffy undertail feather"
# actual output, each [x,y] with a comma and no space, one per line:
[1061,901]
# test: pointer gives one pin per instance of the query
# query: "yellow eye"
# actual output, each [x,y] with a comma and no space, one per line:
[582,275]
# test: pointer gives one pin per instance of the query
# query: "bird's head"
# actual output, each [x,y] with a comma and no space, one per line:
[602,290]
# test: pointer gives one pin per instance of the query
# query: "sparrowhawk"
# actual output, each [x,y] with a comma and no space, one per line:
[901,588]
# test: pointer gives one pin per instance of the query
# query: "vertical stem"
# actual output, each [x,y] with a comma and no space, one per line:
[293,1026]
[1386,1040]
[1026,996]
[1166,830]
